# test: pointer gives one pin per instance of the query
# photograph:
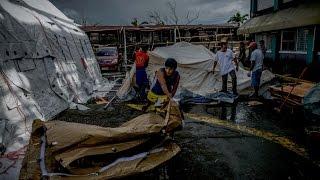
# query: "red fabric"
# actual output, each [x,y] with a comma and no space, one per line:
[141,59]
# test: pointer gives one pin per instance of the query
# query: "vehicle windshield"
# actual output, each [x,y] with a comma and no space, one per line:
[107,52]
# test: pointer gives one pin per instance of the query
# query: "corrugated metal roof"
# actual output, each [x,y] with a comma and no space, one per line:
[154,27]
[302,15]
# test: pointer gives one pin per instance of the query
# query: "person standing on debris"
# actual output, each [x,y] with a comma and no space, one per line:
[141,60]
[248,54]
[225,57]
[262,47]
[256,67]
[165,84]
[242,54]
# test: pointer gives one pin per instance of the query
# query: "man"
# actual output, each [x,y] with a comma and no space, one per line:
[165,83]
[141,60]
[256,67]
[225,57]
[248,54]
[262,47]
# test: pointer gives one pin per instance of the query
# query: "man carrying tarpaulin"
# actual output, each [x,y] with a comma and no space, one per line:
[141,60]
[225,57]
[164,85]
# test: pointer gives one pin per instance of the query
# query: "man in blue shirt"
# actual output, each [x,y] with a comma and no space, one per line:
[256,67]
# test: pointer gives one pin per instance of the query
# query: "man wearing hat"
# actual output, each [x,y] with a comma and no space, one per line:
[256,67]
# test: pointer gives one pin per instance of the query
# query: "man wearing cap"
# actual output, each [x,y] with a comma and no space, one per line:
[225,57]
[256,67]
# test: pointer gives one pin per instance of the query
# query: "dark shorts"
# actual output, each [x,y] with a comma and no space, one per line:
[255,78]
[141,77]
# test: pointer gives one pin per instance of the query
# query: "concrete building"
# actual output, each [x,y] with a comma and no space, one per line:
[291,31]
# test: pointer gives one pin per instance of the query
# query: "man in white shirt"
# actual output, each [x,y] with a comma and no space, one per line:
[256,67]
[224,58]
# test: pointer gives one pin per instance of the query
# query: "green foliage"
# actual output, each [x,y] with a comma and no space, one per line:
[238,18]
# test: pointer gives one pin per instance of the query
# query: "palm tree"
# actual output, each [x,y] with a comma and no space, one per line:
[238,18]
[135,22]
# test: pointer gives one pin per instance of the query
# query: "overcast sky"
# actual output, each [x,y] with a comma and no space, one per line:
[121,12]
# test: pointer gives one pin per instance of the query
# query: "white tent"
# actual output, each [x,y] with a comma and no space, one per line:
[46,63]
[195,65]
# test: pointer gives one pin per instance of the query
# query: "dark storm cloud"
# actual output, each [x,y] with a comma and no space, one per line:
[120,12]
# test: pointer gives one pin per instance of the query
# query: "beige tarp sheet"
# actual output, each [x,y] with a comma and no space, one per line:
[302,15]
[153,159]
[66,134]
[69,142]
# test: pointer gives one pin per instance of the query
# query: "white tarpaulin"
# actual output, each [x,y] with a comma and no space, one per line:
[195,65]
[46,63]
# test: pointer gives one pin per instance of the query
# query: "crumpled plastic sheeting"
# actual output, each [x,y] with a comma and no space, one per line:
[46,62]
[136,146]
[7,131]
[311,103]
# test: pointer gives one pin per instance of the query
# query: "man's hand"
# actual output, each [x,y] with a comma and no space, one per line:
[249,74]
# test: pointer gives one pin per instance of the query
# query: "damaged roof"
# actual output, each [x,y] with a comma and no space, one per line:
[155,27]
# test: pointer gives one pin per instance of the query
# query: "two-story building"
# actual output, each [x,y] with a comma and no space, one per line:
[291,31]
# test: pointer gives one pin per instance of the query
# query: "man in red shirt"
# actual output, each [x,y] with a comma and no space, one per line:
[141,60]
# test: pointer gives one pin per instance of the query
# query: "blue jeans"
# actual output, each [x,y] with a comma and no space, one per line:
[142,82]
[255,78]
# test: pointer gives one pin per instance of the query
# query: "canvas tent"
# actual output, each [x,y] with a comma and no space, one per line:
[195,65]
[46,63]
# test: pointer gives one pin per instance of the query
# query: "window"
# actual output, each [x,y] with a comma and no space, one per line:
[264,4]
[267,40]
[302,38]
[288,40]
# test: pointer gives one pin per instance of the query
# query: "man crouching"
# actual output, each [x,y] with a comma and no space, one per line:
[164,85]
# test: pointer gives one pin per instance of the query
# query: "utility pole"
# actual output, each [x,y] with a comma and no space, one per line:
[175,34]
[125,49]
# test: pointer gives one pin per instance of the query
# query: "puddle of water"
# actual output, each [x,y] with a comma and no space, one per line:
[262,118]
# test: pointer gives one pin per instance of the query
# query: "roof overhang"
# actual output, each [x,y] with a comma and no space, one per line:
[302,15]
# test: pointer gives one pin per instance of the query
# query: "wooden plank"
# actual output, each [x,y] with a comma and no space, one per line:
[299,90]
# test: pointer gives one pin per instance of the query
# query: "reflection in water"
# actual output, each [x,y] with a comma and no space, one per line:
[223,111]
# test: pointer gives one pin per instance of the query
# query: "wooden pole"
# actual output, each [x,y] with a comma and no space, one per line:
[125,48]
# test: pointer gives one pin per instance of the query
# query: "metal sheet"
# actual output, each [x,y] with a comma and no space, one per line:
[302,15]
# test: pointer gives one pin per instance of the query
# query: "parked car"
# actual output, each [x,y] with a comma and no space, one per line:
[108,58]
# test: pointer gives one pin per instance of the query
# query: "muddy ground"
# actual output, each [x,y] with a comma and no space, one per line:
[210,151]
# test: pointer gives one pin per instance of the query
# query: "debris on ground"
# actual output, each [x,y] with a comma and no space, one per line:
[83,151]
[254,103]
[311,104]
[100,100]
[290,93]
